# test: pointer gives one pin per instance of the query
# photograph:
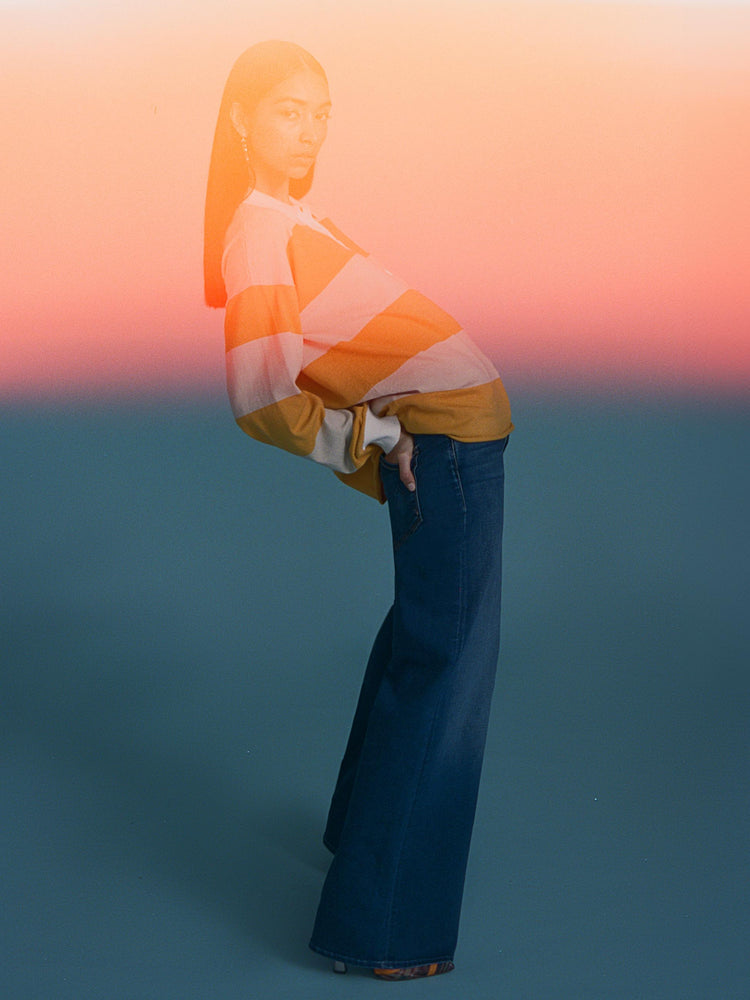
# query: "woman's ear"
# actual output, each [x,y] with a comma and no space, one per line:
[237,114]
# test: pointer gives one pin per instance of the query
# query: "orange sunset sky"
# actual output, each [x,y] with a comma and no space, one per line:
[569,180]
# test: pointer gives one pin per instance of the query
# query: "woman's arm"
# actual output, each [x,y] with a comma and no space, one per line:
[264,358]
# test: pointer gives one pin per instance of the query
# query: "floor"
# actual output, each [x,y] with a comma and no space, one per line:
[183,634]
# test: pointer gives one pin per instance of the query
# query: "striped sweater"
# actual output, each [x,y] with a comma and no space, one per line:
[329,354]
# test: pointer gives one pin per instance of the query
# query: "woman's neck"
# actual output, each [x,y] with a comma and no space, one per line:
[278,190]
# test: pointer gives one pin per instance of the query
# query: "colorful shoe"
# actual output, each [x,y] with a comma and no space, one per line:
[415,971]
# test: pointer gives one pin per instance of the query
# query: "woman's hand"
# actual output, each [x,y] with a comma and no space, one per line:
[401,456]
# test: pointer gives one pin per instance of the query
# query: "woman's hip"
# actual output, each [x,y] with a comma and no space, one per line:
[459,484]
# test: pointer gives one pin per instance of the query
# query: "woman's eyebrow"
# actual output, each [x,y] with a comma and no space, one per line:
[297,100]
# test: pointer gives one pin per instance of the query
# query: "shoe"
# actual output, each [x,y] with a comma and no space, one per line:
[339,967]
[415,971]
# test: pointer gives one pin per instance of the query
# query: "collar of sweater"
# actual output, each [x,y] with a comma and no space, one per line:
[295,210]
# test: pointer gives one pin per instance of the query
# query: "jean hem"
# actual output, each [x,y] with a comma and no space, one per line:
[388,963]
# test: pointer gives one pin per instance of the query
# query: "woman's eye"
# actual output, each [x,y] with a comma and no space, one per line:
[323,116]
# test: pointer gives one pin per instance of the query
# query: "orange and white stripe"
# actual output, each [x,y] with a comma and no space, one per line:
[329,354]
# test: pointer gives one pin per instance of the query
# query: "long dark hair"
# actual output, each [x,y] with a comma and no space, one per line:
[258,70]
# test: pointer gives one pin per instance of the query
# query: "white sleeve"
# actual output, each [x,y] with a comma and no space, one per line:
[382,431]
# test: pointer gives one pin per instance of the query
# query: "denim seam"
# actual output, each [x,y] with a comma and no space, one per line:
[428,744]
[458,474]
[461,616]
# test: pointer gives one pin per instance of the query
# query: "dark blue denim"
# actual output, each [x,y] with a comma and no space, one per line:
[402,812]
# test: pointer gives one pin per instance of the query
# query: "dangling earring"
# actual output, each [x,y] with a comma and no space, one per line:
[250,171]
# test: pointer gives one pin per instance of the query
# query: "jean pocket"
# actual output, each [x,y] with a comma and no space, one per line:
[403,504]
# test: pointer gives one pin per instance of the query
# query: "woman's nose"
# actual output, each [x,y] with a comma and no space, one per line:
[307,132]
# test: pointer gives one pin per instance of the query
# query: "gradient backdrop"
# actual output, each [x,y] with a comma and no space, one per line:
[570,180]
[185,614]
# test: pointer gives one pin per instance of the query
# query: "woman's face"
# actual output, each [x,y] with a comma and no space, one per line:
[286,130]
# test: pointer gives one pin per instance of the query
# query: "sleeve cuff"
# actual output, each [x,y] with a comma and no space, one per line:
[382,431]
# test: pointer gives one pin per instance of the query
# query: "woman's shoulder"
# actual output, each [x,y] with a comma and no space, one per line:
[256,248]
[260,222]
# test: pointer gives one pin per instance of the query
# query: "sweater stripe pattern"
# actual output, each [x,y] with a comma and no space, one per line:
[328,354]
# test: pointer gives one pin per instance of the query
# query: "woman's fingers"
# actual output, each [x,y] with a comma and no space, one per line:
[404,470]
[402,455]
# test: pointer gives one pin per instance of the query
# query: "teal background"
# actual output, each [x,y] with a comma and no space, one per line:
[185,620]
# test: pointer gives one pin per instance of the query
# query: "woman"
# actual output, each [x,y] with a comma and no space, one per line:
[331,357]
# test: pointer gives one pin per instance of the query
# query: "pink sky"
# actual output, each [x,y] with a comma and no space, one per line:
[569,180]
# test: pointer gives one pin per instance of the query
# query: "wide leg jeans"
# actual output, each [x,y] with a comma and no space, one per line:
[403,808]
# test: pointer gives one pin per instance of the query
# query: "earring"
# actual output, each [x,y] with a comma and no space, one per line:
[250,171]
